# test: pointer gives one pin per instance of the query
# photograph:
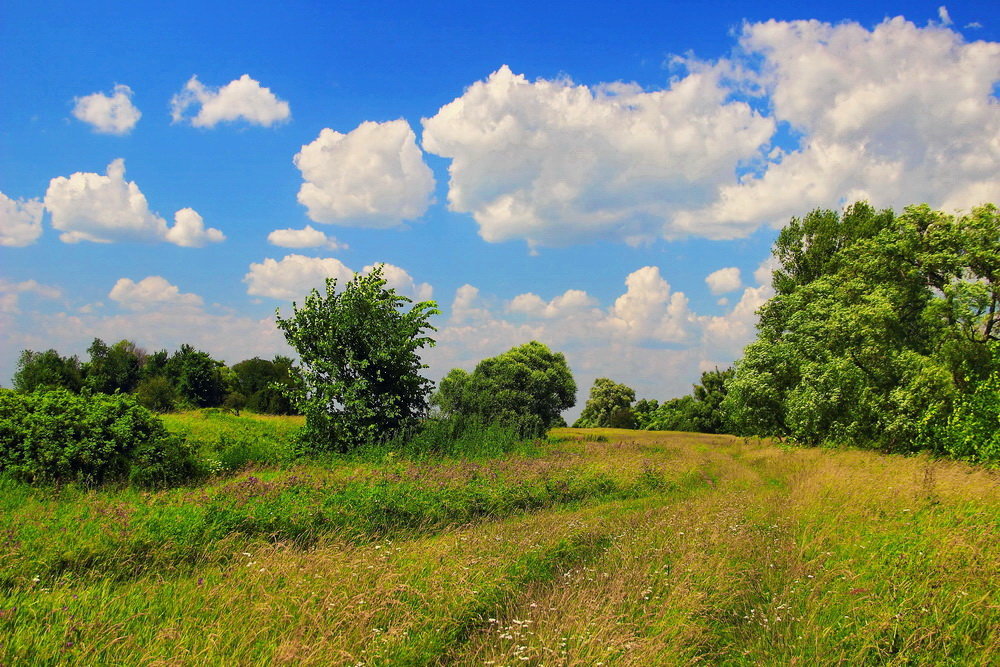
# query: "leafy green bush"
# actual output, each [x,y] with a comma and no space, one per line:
[58,436]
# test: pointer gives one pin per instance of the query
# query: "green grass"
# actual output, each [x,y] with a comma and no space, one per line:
[621,547]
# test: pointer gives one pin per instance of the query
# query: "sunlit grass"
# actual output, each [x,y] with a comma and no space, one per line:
[621,547]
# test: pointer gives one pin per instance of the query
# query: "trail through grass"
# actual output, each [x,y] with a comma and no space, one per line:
[638,549]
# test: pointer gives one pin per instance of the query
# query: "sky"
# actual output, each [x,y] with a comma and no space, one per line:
[606,178]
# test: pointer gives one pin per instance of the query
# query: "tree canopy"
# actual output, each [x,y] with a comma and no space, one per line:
[609,405]
[528,386]
[359,378]
[880,326]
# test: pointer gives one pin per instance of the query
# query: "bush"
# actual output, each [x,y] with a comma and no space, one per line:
[58,436]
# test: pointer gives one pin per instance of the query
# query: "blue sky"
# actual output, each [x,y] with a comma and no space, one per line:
[605,178]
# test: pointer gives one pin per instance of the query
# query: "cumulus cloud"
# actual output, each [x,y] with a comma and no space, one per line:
[373,176]
[570,302]
[20,221]
[243,98]
[724,280]
[150,293]
[108,114]
[894,115]
[555,163]
[944,15]
[304,238]
[294,276]
[104,208]
[649,310]
[189,230]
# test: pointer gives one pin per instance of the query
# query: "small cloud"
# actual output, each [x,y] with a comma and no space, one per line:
[724,280]
[108,114]
[294,275]
[151,292]
[189,230]
[242,98]
[304,238]
[944,16]
[20,221]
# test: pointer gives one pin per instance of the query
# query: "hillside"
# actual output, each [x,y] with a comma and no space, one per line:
[597,546]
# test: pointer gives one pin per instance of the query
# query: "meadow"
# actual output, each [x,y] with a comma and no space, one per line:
[593,546]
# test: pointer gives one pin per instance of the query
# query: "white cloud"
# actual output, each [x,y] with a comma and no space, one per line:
[944,16]
[724,280]
[896,115]
[189,230]
[243,98]
[294,276]
[152,292]
[571,302]
[108,114]
[106,208]
[304,238]
[373,176]
[649,310]
[555,163]
[20,221]
[10,293]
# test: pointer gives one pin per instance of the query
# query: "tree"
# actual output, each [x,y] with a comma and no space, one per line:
[196,376]
[260,381]
[359,379]
[113,369]
[528,386]
[47,370]
[609,405]
[701,411]
[879,327]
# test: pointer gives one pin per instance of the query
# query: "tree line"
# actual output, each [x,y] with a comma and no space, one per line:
[162,382]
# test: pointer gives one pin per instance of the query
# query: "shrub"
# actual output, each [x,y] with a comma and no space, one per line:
[58,436]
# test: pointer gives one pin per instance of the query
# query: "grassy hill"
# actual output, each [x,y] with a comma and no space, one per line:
[597,546]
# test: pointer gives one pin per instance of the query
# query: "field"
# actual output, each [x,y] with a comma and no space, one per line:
[593,547]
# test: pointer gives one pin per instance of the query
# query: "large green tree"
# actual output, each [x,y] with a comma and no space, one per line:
[359,376]
[113,369]
[609,405]
[528,387]
[879,324]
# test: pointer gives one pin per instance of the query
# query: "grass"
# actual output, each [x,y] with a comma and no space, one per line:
[614,547]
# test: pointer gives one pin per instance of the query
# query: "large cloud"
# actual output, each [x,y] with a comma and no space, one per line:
[897,114]
[105,208]
[108,114]
[373,176]
[294,276]
[243,98]
[556,163]
[20,221]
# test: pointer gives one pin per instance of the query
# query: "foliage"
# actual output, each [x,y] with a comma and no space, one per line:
[609,405]
[359,378]
[47,370]
[196,377]
[700,412]
[113,369]
[528,387]
[58,436]
[879,324]
[157,394]
[261,381]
